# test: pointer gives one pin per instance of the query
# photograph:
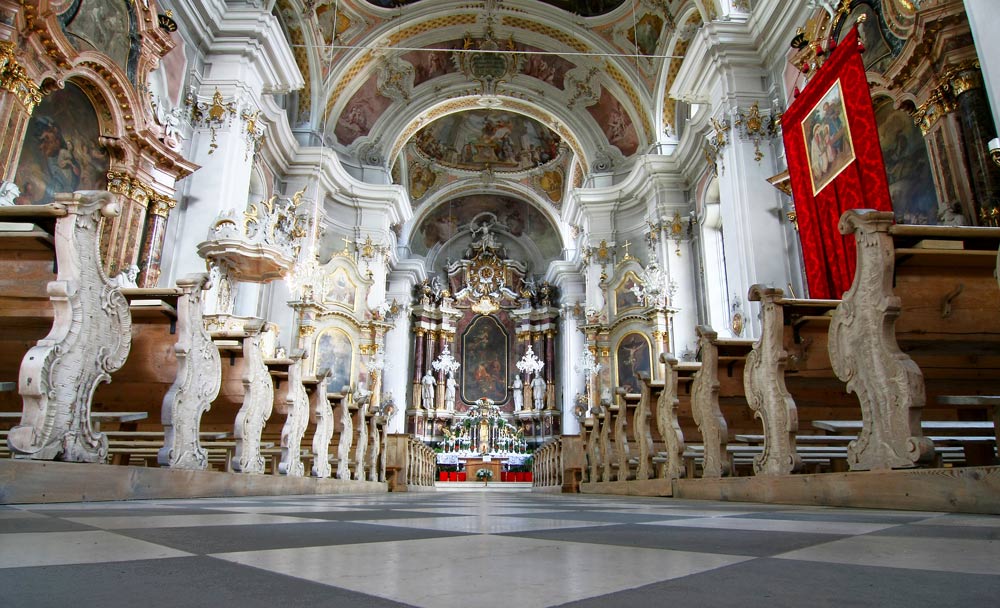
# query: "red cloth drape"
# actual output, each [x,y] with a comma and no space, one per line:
[829,257]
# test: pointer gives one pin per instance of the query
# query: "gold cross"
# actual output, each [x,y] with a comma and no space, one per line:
[347,243]
[626,246]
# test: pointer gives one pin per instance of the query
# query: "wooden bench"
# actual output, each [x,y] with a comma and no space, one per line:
[931,290]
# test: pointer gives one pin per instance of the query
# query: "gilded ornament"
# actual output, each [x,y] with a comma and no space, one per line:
[14,78]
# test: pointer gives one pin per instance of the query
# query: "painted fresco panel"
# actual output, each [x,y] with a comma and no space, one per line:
[632,357]
[907,166]
[615,123]
[514,216]
[646,33]
[484,361]
[334,350]
[550,69]
[584,8]
[60,151]
[428,65]
[477,139]
[361,112]
[103,26]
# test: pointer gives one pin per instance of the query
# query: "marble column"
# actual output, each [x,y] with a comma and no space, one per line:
[150,256]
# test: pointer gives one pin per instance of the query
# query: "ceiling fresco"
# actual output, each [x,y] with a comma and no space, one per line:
[488,139]
[584,8]
[515,220]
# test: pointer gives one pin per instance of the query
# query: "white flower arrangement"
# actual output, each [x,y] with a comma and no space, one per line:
[484,474]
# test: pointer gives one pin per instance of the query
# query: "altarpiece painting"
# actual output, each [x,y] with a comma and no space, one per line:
[484,361]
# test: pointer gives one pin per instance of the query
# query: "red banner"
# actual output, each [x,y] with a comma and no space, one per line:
[834,164]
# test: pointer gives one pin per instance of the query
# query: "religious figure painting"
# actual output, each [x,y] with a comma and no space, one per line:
[632,357]
[477,139]
[645,33]
[828,139]
[625,297]
[484,361]
[361,112]
[339,289]
[334,350]
[104,26]
[60,151]
[615,122]
[907,167]
[432,64]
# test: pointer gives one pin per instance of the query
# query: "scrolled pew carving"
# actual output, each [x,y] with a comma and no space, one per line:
[199,376]
[864,354]
[343,414]
[764,383]
[621,436]
[705,406]
[666,419]
[258,401]
[363,400]
[640,427]
[296,421]
[324,426]
[90,338]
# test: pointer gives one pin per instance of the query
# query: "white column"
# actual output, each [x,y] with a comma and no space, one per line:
[754,237]
[572,344]
[984,20]
[398,356]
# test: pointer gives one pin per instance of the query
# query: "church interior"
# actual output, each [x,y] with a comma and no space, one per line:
[543,302]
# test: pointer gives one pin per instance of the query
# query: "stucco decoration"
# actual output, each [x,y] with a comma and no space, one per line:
[705,406]
[764,384]
[258,401]
[865,355]
[90,338]
[199,375]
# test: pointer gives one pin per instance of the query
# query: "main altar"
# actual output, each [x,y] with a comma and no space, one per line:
[472,396]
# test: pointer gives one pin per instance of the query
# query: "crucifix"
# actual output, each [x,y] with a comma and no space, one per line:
[626,245]
[347,243]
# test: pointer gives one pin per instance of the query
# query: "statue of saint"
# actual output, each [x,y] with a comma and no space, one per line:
[538,392]
[518,388]
[449,393]
[427,391]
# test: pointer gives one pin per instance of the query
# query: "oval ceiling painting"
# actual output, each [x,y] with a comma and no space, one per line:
[487,139]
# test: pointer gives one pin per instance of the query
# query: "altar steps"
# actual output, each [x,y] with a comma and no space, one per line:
[478,486]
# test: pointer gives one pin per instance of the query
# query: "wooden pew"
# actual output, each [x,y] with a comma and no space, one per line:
[720,377]
[89,339]
[932,290]
[255,391]
[673,402]
[801,325]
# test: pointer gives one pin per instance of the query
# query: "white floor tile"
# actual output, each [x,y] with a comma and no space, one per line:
[421,573]
[773,525]
[482,525]
[958,519]
[53,548]
[184,521]
[940,554]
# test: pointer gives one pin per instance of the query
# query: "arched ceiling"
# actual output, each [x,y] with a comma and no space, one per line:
[534,94]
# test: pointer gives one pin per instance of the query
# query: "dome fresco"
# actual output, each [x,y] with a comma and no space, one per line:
[479,139]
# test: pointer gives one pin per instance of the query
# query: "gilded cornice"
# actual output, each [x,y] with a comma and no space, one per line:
[14,78]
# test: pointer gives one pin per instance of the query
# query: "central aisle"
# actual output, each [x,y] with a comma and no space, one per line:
[490,549]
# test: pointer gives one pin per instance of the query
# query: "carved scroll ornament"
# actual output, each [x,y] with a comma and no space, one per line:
[764,384]
[666,419]
[90,338]
[199,376]
[705,406]
[258,401]
[296,421]
[343,414]
[324,427]
[865,355]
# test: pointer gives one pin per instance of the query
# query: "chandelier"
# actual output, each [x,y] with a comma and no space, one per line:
[529,363]
[656,290]
[446,363]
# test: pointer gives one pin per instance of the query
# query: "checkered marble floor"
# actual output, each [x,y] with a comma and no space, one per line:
[486,550]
